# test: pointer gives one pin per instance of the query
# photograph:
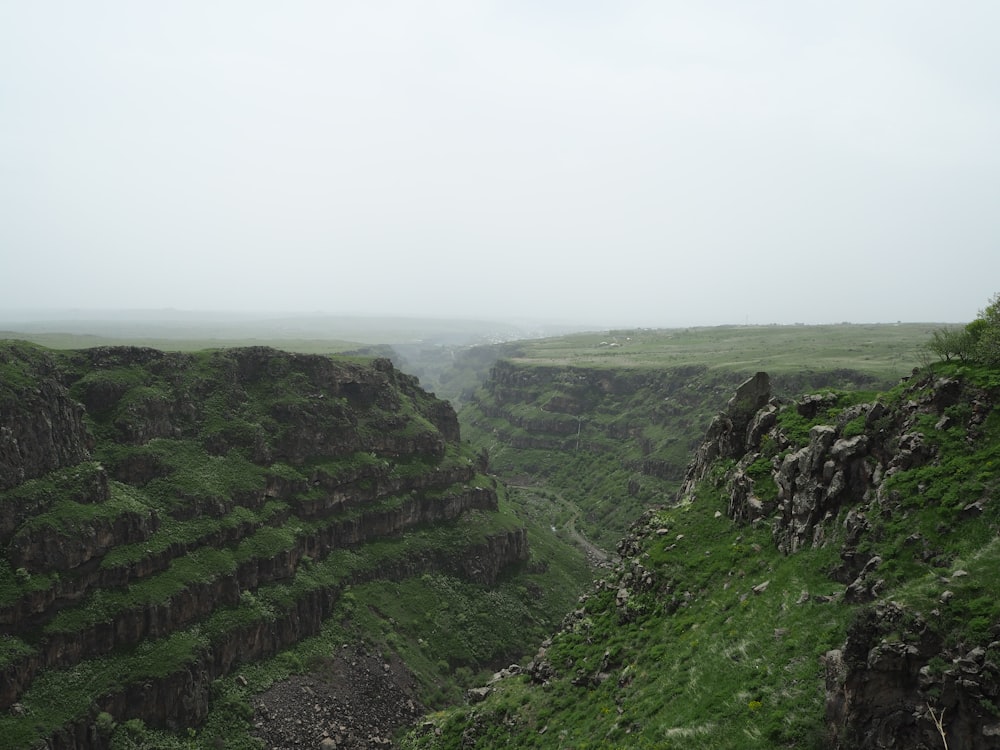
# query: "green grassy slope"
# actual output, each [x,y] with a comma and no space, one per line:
[886,350]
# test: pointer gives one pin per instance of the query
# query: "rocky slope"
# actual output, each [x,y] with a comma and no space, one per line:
[901,669]
[168,517]
[825,578]
[354,700]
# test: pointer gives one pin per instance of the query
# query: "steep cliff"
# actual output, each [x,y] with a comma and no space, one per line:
[167,517]
[825,578]
[54,436]
[904,487]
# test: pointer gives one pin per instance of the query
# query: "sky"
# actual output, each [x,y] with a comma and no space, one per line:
[655,163]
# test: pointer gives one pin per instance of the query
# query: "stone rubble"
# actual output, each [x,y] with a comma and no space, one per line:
[353,700]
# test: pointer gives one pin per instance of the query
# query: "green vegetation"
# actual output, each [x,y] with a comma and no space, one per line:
[609,420]
[888,351]
[67,517]
[12,648]
[315,334]
[715,645]
[421,618]
[186,512]
[57,697]
[611,444]
[795,426]
[185,341]
[697,657]
[947,514]
[709,637]
[630,433]
[978,342]
[191,533]
[76,484]
[20,362]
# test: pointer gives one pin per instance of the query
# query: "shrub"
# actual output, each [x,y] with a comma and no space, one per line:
[978,342]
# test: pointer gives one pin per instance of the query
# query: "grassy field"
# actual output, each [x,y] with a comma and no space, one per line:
[880,349]
[188,343]
[309,333]
[887,350]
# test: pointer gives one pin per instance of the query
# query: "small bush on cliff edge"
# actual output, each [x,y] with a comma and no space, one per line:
[978,342]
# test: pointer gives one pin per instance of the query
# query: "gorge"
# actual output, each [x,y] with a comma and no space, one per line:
[248,547]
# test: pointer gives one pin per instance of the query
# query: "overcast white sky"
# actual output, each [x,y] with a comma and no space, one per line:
[618,163]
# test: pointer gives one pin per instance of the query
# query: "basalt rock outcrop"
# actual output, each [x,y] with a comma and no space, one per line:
[734,430]
[152,501]
[909,674]
[55,436]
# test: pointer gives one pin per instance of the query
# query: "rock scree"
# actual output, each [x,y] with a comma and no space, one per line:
[353,700]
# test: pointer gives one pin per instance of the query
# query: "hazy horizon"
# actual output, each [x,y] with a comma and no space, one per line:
[80,316]
[633,164]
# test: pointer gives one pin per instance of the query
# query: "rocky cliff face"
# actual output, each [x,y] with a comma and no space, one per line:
[151,498]
[735,430]
[909,674]
[41,426]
